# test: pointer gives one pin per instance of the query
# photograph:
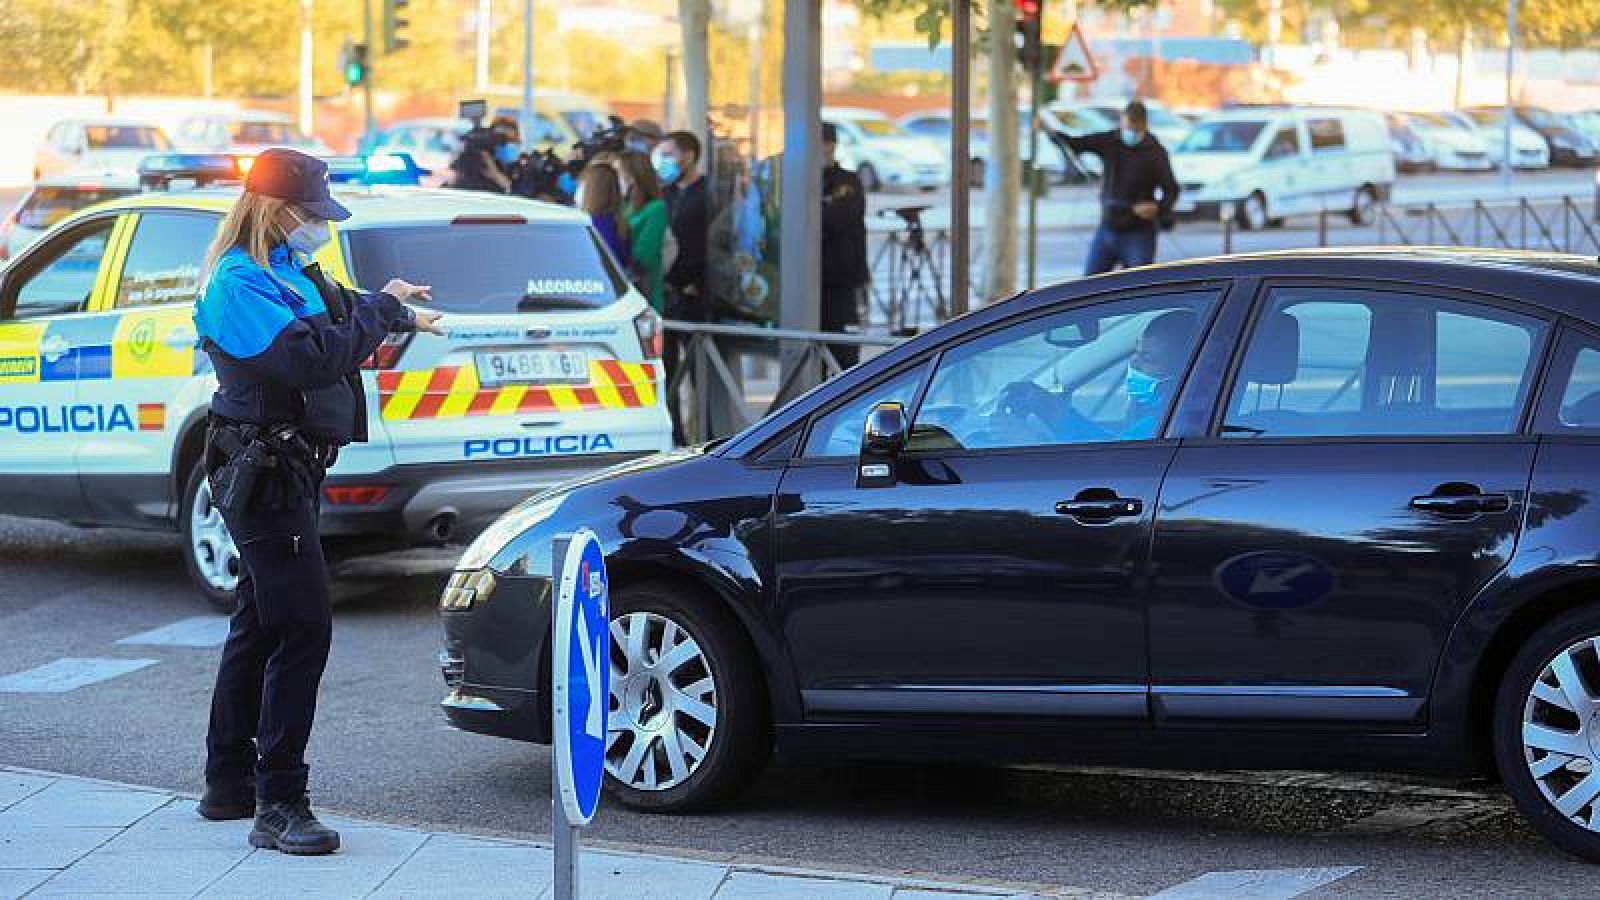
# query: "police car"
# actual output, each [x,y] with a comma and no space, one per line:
[551,367]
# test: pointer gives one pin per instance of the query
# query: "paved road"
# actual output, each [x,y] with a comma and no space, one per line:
[381,750]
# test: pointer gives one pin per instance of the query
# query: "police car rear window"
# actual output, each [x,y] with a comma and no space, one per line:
[49,205]
[486,267]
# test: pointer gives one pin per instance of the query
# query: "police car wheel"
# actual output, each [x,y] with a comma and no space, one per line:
[208,550]
[688,726]
[1546,731]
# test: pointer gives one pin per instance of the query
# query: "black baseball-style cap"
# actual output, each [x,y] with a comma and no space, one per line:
[292,175]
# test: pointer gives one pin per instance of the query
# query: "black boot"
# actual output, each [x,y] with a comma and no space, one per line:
[222,802]
[292,828]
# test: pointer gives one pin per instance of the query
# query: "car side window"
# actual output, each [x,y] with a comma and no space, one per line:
[838,433]
[1330,362]
[1285,144]
[1575,381]
[63,279]
[1104,372]
[164,259]
[1327,135]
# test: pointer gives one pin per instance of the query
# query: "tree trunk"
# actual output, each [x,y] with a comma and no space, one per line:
[1002,170]
[1463,50]
[694,18]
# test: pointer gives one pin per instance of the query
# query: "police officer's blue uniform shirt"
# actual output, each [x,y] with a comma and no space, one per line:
[278,355]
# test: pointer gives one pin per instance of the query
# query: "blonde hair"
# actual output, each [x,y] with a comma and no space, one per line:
[254,224]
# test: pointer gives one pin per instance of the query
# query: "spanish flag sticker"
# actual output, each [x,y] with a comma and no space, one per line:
[152,416]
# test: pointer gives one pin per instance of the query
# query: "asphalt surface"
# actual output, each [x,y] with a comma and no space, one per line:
[382,750]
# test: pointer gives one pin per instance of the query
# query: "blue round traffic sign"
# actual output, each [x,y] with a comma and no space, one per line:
[581,680]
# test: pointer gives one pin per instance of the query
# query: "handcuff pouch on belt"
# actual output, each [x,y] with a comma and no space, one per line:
[272,465]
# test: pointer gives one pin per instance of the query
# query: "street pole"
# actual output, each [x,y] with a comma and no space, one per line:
[307,75]
[960,152]
[485,26]
[371,125]
[1036,71]
[1511,62]
[527,75]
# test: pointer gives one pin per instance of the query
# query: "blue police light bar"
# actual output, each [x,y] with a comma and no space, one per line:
[379,168]
[160,170]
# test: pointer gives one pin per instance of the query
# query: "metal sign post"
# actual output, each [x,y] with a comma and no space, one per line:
[580,685]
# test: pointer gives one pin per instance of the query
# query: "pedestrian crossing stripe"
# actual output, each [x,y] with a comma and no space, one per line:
[453,392]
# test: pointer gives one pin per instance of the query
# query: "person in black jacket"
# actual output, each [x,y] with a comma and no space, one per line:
[286,344]
[844,247]
[1136,168]
[677,163]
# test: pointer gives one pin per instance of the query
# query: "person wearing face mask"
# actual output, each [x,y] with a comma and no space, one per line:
[600,195]
[482,164]
[287,344]
[1136,168]
[1149,382]
[647,225]
[677,164]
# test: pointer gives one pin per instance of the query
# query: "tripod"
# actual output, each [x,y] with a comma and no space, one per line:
[908,275]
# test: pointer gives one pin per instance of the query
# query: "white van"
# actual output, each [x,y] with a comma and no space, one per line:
[1262,165]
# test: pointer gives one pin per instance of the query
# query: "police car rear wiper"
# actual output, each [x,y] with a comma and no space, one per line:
[532,302]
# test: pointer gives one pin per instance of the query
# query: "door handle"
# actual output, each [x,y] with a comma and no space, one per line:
[1101,508]
[1461,504]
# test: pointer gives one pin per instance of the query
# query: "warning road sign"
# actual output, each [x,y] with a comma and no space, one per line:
[1074,63]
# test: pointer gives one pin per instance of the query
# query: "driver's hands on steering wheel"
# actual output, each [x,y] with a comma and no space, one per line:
[1024,398]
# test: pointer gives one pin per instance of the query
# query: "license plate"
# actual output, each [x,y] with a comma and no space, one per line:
[532,367]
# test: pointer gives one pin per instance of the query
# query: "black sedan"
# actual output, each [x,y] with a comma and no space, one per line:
[1298,510]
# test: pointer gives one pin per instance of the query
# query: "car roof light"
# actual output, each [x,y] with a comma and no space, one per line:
[160,171]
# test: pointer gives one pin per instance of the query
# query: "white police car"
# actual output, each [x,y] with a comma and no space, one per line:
[551,367]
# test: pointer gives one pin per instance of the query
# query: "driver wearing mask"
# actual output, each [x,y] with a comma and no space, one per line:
[1150,383]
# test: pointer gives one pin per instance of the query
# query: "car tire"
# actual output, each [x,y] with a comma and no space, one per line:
[735,746]
[1364,207]
[209,553]
[1563,650]
[1253,212]
[869,178]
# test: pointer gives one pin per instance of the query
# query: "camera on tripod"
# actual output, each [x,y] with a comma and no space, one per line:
[911,215]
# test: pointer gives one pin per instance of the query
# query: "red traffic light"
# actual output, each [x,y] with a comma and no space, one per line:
[1028,10]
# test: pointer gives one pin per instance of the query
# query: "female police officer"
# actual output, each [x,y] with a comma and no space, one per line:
[286,344]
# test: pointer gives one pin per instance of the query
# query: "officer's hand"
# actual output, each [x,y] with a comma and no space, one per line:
[428,320]
[406,292]
[1146,210]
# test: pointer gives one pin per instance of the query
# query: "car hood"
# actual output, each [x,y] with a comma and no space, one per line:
[649,463]
[1454,138]
[1208,167]
[916,150]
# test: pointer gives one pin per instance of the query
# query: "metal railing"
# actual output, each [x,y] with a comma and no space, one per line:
[707,386]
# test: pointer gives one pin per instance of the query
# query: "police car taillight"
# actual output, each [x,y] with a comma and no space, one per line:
[355,495]
[648,326]
[388,354]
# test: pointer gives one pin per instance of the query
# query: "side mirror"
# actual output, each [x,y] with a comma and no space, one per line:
[882,438]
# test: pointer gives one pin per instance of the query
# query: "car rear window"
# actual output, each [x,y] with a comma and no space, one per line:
[490,267]
[121,137]
[266,133]
[49,205]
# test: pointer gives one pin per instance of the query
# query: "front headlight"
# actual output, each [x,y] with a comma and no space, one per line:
[506,529]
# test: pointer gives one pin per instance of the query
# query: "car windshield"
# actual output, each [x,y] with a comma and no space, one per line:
[879,128]
[125,137]
[1222,137]
[1081,120]
[281,133]
[582,121]
[1485,116]
[1540,117]
[490,266]
[1431,120]
[49,205]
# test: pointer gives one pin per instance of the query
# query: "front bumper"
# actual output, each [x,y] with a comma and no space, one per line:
[450,501]
[496,663]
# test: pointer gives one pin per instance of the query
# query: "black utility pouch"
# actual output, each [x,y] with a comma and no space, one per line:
[233,485]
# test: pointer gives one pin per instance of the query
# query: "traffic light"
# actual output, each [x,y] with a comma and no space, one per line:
[1029,14]
[353,63]
[394,25]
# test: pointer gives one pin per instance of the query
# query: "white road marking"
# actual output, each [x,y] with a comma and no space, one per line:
[200,631]
[68,674]
[1255,884]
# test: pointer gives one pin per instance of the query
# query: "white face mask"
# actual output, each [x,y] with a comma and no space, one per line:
[577,197]
[309,237]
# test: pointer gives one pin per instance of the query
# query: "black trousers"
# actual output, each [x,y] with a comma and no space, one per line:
[840,312]
[266,692]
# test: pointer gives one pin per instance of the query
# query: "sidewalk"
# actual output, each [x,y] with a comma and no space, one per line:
[62,836]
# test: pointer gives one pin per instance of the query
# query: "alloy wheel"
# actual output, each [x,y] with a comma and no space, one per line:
[663,708]
[216,557]
[1561,733]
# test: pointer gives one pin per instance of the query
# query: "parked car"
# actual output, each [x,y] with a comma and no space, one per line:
[1528,149]
[247,131]
[1454,146]
[1166,125]
[53,199]
[1071,120]
[1264,164]
[1353,526]
[560,120]
[1569,146]
[432,143]
[1411,151]
[885,155]
[1588,122]
[102,144]
[935,126]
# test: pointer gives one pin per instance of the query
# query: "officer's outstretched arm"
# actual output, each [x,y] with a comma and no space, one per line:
[264,334]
